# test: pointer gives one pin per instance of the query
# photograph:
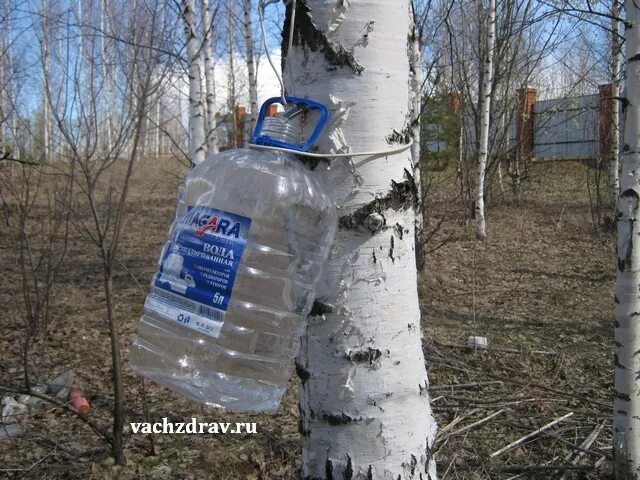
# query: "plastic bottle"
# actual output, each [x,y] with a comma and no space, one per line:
[236,279]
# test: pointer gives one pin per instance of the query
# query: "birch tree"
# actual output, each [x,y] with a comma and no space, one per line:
[209,75]
[626,424]
[616,62]
[484,108]
[364,401]
[251,66]
[196,110]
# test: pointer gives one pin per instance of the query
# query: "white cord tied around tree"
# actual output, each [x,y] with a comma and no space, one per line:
[261,8]
[376,153]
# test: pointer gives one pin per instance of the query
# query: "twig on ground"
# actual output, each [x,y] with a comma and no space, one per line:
[530,435]
[476,424]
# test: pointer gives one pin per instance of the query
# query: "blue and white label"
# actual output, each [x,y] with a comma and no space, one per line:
[198,268]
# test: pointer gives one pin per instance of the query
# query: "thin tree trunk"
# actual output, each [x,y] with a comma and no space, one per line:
[116,372]
[626,423]
[209,75]
[231,81]
[196,113]
[156,130]
[484,111]
[46,70]
[616,63]
[106,78]
[364,390]
[251,67]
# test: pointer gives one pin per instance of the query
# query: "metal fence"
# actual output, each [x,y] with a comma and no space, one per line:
[566,127]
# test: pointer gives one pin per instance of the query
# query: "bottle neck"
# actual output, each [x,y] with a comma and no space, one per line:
[278,129]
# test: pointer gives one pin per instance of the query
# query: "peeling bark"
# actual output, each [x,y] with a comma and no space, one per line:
[364,404]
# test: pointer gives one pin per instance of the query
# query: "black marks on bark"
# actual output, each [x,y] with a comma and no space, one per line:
[616,362]
[635,58]
[402,195]
[348,470]
[424,389]
[301,428]
[302,372]
[391,245]
[364,40]
[616,300]
[367,356]
[411,327]
[399,230]
[307,35]
[319,308]
[621,396]
[624,256]
[328,469]
[335,419]
[622,412]
[375,259]
[375,222]
[369,473]
[399,137]
[413,463]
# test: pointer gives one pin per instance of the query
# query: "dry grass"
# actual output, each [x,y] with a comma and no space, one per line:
[543,281]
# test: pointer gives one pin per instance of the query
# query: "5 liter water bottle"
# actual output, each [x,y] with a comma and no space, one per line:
[236,278]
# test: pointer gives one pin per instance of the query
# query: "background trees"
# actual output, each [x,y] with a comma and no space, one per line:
[96,92]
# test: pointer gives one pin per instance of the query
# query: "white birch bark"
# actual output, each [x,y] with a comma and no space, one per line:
[251,68]
[415,59]
[209,75]
[231,79]
[484,112]
[616,62]
[196,110]
[364,401]
[626,424]
[156,130]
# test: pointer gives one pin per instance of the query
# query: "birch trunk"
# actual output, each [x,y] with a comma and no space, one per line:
[484,111]
[231,79]
[364,401]
[616,63]
[196,113]
[626,423]
[209,75]
[415,67]
[251,67]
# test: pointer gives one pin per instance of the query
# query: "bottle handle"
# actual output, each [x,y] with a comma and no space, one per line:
[259,139]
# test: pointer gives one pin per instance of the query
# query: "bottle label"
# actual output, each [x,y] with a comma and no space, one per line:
[198,268]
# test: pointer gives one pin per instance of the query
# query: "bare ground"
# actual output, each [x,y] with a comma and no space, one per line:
[543,281]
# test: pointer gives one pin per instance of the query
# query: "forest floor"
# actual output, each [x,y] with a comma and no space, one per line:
[541,285]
